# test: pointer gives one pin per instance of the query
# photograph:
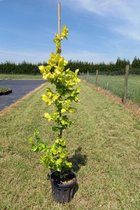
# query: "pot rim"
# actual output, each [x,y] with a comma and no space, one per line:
[63,185]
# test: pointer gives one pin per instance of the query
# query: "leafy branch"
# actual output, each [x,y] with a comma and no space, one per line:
[65,93]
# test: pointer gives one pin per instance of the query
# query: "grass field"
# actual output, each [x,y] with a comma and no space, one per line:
[116,85]
[103,144]
[19,76]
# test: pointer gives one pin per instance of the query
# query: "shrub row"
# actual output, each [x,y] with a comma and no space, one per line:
[108,69]
[85,67]
[21,68]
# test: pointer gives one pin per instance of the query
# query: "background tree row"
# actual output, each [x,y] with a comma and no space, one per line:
[85,67]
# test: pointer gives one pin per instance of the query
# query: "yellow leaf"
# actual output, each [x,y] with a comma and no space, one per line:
[44,98]
[63,110]
[41,68]
[48,116]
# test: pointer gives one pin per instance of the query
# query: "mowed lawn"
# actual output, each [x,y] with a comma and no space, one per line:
[103,143]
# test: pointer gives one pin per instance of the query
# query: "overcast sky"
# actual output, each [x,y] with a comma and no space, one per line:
[99,30]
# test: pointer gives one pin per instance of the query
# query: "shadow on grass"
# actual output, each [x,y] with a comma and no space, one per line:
[78,159]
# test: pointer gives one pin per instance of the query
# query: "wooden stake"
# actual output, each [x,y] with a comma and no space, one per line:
[126,84]
[59,17]
[97,73]
[59,24]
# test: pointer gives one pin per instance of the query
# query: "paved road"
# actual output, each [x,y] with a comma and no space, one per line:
[19,89]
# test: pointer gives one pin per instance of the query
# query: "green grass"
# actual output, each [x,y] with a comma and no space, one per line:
[20,76]
[116,85]
[103,143]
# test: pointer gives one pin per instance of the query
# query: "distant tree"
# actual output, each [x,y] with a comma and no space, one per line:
[121,63]
[136,62]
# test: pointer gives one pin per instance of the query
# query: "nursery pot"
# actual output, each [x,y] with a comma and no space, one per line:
[63,192]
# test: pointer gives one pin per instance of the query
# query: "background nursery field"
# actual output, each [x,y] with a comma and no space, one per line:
[106,158]
[115,84]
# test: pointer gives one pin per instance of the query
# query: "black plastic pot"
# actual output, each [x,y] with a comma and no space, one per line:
[62,192]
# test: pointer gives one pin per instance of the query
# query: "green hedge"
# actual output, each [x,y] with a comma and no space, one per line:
[108,69]
[84,67]
[22,68]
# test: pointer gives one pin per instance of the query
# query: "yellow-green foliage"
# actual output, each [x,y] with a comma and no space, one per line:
[65,92]
[65,82]
[54,156]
